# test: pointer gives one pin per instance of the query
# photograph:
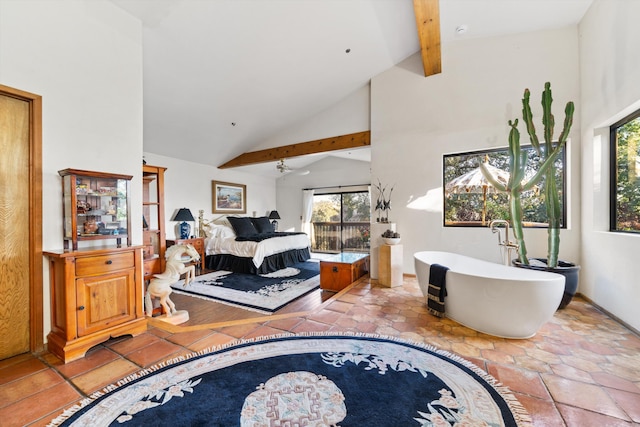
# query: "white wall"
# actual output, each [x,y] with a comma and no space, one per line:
[85,59]
[330,171]
[188,184]
[609,65]
[415,120]
[348,116]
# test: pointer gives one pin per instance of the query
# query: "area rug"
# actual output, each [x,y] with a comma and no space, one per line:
[262,293]
[306,380]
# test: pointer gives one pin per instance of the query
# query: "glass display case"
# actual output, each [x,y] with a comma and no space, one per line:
[153,219]
[96,206]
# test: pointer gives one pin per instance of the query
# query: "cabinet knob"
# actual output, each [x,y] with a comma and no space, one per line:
[81,308]
[109,262]
[335,269]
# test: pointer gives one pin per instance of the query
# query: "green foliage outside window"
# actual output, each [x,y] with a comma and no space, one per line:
[464,208]
[625,138]
[326,211]
[356,207]
[341,221]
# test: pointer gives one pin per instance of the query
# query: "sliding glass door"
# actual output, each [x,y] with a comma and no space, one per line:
[341,222]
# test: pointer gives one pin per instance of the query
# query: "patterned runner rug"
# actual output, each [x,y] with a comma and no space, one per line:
[262,293]
[310,380]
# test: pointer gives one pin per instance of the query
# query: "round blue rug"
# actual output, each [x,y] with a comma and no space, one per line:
[306,380]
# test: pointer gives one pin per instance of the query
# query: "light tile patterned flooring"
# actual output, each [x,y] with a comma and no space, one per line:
[582,369]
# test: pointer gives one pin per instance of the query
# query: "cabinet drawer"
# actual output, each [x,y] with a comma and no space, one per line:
[151,267]
[104,263]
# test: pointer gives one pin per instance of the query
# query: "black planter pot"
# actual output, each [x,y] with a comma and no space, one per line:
[567,269]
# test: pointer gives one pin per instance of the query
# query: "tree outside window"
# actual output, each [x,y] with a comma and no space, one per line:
[341,222]
[469,205]
[625,171]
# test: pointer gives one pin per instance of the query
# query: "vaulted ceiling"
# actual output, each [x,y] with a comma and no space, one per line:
[222,76]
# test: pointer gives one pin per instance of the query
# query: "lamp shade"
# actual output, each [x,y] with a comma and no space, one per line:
[274,215]
[184,214]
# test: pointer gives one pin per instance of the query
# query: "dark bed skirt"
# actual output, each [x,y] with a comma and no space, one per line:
[245,265]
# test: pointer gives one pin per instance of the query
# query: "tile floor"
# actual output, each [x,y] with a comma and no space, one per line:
[582,369]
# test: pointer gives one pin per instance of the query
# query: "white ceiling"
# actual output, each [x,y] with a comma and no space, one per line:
[266,65]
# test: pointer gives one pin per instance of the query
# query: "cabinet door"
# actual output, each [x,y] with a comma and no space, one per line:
[105,301]
[96,206]
[153,218]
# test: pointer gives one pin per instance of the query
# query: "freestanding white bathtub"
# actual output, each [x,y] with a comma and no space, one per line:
[495,299]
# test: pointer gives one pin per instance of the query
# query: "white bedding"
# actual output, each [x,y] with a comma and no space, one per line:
[256,250]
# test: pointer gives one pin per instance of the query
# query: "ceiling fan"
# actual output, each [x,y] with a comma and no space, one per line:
[283,168]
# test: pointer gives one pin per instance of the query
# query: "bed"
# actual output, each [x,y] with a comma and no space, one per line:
[249,245]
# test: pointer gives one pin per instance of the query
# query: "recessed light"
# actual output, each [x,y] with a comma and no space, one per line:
[461,29]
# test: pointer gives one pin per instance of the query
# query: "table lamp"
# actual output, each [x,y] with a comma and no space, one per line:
[274,216]
[184,215]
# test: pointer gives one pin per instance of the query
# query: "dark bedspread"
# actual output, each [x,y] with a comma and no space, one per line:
[245,265]
[264,236]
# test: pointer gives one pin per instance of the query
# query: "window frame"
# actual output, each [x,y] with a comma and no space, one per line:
[481,153]
[342,222]
[613,172]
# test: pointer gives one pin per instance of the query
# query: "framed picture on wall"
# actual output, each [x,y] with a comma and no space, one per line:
[229,198]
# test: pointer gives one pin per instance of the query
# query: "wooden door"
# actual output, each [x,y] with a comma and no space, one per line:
[20,223]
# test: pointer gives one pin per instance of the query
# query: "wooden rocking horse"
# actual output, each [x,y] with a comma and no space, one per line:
[160,285]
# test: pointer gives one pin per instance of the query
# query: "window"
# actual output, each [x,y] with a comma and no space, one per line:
[341,222]
[470,200]
[625,174]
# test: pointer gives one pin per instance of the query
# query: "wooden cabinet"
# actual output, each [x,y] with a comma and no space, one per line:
[196,242]
[96,206]
[96,294]
[339,271]
[153,233]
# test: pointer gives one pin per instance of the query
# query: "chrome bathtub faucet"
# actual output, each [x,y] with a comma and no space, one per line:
[510,246]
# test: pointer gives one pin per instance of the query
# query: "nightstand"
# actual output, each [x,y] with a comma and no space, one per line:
[196,242]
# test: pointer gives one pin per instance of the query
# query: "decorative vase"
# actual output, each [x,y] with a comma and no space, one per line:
[567,269]
[185,229]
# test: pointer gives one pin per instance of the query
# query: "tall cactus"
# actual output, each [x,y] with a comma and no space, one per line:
[517,166]
[550,149]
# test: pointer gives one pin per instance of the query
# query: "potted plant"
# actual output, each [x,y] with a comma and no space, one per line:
[549,153]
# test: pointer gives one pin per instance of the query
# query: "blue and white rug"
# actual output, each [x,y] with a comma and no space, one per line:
[306,380]
[262,293]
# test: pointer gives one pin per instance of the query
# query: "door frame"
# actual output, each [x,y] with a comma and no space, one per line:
[342,223]
[36,338]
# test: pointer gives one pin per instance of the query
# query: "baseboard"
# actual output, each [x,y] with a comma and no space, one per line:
[613,316]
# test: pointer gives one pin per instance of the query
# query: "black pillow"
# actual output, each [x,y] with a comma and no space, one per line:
[242,226]
[262,224]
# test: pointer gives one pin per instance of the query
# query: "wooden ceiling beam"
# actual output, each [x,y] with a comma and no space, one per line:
[428,23]
[342,142]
